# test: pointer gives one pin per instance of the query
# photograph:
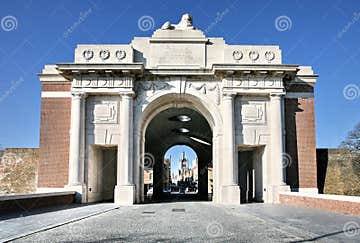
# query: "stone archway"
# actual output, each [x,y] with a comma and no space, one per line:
[244,92]
[161,103]
[166,130]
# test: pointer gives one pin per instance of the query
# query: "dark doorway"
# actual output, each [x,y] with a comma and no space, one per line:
[250,174]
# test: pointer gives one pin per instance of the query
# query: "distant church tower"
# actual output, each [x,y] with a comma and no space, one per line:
[183,162]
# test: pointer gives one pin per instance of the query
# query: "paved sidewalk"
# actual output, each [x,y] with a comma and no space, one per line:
[18,225]
[196,222]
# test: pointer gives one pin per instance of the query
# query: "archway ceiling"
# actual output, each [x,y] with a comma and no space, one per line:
[161,132]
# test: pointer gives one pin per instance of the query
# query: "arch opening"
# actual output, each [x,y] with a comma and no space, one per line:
[167,131]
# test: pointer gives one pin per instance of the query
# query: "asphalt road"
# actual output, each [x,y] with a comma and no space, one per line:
[206,222]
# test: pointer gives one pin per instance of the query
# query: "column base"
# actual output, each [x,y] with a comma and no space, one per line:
[308,190]
[230,194]
[284,188]
[273,192]
[124,195]
[79,189]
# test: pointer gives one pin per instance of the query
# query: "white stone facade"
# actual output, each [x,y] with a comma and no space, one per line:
[116,90]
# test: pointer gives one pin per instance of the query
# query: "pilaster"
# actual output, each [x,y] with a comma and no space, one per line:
[125,188]
[278,180]
[230,191]
[75,179]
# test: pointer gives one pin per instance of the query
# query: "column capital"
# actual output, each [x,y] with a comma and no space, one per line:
[229,94]
[277,95]
[78,94]
[127,94]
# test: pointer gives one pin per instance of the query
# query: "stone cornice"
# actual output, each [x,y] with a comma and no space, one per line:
[224,70]
[175,71]
[52,75]
[139,68]
[100,66]
[68,70]
[53,78]
[301,79]
[241,69]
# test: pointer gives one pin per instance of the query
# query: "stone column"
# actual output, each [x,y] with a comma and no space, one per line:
[277,139]
[125,189]
[230,193]
[75,180]
[283,135]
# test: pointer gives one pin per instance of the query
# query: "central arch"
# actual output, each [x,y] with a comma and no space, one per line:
[166,102]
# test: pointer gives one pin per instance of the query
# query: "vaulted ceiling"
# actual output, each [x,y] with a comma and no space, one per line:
[166,130]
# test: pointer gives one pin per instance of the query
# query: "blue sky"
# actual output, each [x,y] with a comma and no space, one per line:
[323,34]
[175,153]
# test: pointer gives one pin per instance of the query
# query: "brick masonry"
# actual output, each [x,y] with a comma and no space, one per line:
[340,205]
[18,170]
[56,87]
[300,142]
[54,142]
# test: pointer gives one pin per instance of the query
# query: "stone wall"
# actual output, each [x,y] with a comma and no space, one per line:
[338,172]
[27,202]
[18,170]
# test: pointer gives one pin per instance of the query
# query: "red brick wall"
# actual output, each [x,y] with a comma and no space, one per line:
[341,206]
[56,87]
[300,142]
[54,142]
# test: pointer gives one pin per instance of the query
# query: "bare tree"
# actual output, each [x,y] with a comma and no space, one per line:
[352,141]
